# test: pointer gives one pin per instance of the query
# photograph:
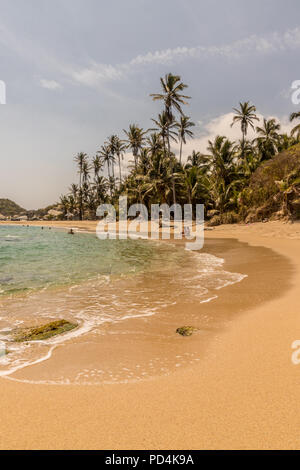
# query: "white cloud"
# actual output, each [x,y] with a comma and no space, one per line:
[50,84]
[96,73]
[263,45]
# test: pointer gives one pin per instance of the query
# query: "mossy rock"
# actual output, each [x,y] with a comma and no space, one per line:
[43,332]
[186,330]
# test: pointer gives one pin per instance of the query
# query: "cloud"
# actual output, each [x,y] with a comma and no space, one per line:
[275,42]
[96,73]
[50,84]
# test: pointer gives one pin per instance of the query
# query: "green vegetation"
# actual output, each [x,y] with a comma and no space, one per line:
[43,332]
[186,330]
[236,181]
[9,208]
[274,189]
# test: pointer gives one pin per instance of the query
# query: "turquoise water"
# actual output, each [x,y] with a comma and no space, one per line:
[46,275]
[35,258]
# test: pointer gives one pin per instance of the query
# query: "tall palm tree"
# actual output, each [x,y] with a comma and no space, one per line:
[268,138]
[105,155]
[85,172]
[81,160]
[171,96]
[119,151]
[135,140]
[184,131]
[245,116]
[107,158]
[112,143]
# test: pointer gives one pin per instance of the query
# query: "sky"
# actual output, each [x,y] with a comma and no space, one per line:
[77,71]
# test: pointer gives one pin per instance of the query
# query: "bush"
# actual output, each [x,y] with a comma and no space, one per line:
[226,218]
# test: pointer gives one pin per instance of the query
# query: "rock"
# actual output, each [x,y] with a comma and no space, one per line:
[43,332]
[186,330]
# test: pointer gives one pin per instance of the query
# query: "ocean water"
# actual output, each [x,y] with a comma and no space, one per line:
[32,258]
[47,275]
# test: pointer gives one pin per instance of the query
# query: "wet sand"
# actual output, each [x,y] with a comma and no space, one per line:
[243,393]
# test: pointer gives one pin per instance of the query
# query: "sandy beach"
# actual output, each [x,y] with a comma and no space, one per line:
[243,394]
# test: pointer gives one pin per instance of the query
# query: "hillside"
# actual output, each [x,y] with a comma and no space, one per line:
[274,189]
[10,208]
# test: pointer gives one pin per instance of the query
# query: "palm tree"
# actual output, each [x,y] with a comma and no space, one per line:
[119,151]
[100,186]
[74,190]
[171,96]
[107,157]
[85,172]
[173,99]
[195,183]
[197,159]
[135,140]
[165,129]
[144,161]
[285,141]
[81,160]
[184,126]
[154,142]
[245,116]
[64,204]
[296,129]
[71,204]
[97,165]
[112,143]
[268,139]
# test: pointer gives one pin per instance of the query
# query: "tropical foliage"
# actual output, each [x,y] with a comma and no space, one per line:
[221,178]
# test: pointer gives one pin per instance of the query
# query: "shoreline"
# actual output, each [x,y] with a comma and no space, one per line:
[218,403]
[134,331]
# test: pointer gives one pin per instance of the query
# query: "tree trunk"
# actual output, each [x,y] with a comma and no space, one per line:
[108,172]
[135,159]
[80,197]
[180,151]
[172,170]
[243,146]
[120,171]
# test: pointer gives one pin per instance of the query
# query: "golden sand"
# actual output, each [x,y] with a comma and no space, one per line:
[243,394]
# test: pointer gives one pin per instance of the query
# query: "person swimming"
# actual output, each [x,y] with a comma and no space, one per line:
[71,232]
